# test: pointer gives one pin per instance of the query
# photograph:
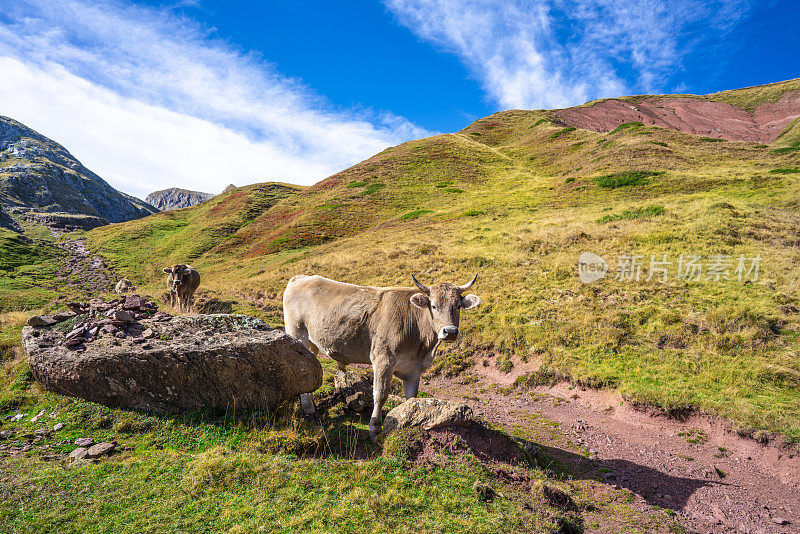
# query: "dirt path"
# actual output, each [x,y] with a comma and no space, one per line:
[715,480]
[84,271]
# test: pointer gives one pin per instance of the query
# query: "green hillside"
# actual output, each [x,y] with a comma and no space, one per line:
[517,198]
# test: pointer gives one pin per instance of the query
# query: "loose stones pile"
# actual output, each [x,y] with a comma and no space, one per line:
[97,318]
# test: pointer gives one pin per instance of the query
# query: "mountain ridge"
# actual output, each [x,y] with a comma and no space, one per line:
[38,174]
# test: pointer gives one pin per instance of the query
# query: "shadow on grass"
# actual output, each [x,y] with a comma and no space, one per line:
[337,435]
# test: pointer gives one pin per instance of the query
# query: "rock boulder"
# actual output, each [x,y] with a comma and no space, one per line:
[428,414]
[191,362]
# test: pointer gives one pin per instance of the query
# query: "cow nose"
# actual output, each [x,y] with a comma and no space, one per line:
[448,332]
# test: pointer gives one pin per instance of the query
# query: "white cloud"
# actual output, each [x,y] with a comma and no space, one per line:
[149,101]
[557,53]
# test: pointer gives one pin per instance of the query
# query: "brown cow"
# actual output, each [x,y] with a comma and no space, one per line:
[183,281]
[396,329]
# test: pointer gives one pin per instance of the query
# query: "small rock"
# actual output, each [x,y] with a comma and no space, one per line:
[76,332]
[64,315]
[37,416]
[137,340]
[148,333]
[6,434]
[121,335]
[484,491]
[123,316]
[74,342]
[427,413]
[42,432]
[133,302]
[77,307]
[84,442]
[781,521]
[79,454]
[58,426]
[42,320]
[555,496]
[18,417]
[357,402]
[100,449]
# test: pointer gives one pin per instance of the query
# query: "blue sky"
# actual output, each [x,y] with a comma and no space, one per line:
[199,94]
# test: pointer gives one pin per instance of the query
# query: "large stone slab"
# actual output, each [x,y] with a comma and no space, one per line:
[190,362]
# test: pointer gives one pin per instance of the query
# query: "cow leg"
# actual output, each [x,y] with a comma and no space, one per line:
[380,391]
[411,387]
[301,335]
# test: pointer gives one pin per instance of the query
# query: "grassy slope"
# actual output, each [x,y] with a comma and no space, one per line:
[513,197]
[28,263]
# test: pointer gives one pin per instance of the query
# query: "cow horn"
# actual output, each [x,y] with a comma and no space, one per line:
[420,286]
[470,284]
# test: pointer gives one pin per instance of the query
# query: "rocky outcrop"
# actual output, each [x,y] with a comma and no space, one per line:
[62,221]
[427,413]
[175,198]
[7,222]
[170,364]
[38,173]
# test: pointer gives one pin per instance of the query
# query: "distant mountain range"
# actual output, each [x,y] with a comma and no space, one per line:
[39,176]
[175,198]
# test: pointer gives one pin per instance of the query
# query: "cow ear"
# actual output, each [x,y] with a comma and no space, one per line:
[419,300]
[187,271]
[167,270]
[470,301]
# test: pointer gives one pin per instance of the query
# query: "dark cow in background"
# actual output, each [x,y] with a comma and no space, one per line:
[183,281]
[396,329]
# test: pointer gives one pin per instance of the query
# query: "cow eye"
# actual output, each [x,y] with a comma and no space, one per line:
[433,306]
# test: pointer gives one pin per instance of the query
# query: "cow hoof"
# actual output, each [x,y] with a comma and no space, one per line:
[375,428]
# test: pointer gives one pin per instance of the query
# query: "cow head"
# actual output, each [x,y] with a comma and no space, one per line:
[178,273]
[444,302]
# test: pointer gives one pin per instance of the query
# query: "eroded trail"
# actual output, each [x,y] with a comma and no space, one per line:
[715,480]
[84,271]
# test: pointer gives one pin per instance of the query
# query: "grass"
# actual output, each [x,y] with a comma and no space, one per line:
[411,215]
[630,214]
[625,126]
[562,132]
[624,179]
[789,170]
[28,265]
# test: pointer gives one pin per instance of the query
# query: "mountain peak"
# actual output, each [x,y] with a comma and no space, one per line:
[175,198]
[37,174]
